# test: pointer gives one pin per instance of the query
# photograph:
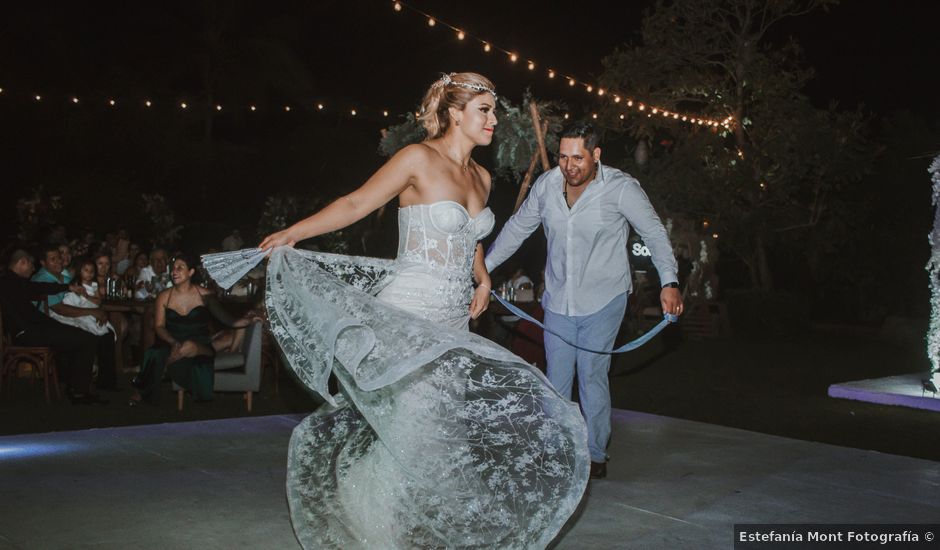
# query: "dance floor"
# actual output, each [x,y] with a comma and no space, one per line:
[220,484]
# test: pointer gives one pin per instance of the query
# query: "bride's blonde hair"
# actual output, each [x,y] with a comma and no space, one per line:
[451,90]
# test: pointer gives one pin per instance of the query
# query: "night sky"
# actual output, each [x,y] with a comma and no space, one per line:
[364,53]
[361,54]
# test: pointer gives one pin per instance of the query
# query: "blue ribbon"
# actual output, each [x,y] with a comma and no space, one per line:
[629,346]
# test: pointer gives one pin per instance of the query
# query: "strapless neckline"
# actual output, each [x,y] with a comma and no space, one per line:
[462,207]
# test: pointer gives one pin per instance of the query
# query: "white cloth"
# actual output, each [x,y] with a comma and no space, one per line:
[587,263]
[85,322]
[147,274]
[440,439]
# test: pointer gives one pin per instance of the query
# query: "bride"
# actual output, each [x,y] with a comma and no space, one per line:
[439,438]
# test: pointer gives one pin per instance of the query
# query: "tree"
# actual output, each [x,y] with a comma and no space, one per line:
[780,168]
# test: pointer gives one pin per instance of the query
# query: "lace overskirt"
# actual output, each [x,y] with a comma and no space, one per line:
[439,438]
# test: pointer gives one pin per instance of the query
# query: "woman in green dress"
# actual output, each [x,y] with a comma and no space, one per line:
[182,314]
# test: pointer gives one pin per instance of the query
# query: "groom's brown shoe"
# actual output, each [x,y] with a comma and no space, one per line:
[598,470]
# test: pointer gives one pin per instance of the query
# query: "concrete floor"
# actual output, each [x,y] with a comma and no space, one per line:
[220,484]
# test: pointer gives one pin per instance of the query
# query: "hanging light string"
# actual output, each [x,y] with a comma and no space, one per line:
[148,102]
[618,98]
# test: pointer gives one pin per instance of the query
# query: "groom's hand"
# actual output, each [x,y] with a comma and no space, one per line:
[671,301]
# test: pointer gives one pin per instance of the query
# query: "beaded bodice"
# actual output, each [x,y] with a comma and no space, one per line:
[441,235]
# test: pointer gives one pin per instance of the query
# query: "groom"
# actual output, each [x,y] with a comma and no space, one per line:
[587,210]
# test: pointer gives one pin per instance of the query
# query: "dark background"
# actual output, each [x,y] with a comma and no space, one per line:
[217,168]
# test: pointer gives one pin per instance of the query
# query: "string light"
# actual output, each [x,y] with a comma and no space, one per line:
[513,56]
[148,103]
[74,100]
[287,108]
[38,97]
[319,106]
[253,108]
[629,103]
[218,107]
[352,112]
[111,102]
[183,105]
[384,113]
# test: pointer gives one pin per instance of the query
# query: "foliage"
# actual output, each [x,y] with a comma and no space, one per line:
[515,135]
[162,227]
[401,135]
[35,211]
[783,169]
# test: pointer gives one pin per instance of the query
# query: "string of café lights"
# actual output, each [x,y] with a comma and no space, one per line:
[514,57]
[183,105]
[487,47]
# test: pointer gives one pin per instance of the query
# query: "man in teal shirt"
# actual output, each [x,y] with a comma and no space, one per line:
[51,272]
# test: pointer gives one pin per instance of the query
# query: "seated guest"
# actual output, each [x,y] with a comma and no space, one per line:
[81,317]
[88,300]
[141,260]
[102,272]
[67,268]
[121,267]
[27,326]
[156,273]
[182,316]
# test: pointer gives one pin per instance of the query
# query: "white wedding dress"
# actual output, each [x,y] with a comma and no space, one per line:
[439,438]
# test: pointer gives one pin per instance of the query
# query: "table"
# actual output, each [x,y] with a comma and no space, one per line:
[144,308]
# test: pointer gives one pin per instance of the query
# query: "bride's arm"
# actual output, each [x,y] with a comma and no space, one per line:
[481,295]
[389,181]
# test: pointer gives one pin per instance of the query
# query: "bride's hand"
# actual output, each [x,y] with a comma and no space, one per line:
[281,238]
[481,300]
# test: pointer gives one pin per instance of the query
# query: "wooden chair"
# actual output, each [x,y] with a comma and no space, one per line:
[42,359]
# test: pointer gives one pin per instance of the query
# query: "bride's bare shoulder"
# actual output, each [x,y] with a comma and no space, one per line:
[416,152]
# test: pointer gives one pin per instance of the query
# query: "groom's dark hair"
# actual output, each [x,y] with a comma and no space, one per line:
[582,130]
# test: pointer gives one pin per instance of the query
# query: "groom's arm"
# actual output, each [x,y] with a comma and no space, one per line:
[526,220]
